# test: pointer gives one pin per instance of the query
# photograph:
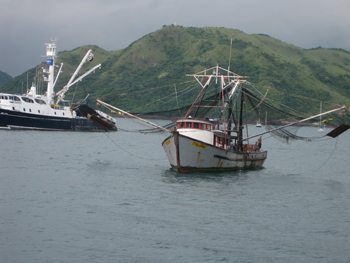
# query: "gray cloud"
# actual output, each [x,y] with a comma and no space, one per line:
[25,25]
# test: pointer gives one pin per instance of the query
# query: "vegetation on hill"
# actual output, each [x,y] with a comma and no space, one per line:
[4,77]
[150,74]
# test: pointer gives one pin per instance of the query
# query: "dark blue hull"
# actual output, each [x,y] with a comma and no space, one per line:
[20,120]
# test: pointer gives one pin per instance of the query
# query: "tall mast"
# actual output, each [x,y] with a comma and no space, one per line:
[50,78]
[320,124]
[240,125]
[229,119]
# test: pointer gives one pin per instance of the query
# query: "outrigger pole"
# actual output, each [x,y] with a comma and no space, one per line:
[88,57]
[297,122]
[131,115]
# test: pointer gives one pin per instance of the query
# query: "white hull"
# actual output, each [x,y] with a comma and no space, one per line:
[186,154]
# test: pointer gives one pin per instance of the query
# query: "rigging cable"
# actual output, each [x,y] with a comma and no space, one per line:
[177,101]
[170,96]
[331,154]
[132,153]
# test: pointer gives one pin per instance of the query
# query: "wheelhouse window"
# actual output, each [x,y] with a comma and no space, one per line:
[194,125]
[39,101]
[27,100]
[14,98]
[221,142]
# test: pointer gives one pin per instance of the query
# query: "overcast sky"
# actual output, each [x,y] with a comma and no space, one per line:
[25,25]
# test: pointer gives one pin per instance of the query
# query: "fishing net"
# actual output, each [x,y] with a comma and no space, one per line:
[194,102]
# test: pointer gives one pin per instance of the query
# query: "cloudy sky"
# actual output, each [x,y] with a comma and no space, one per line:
[25,25]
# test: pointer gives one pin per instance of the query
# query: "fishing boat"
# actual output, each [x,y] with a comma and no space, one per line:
[50,111]
[201,143]
[213,134]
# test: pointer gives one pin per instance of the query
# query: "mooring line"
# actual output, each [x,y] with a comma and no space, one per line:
[131,153]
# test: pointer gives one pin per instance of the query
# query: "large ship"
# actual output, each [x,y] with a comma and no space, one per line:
[50,111]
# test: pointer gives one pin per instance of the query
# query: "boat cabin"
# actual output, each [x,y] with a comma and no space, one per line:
[194,124]
[205,131]
[221,139]
[8,98]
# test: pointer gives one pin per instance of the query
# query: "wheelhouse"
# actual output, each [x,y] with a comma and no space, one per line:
[221,139]
[194,124]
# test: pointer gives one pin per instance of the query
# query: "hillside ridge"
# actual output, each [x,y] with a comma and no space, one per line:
[139,76]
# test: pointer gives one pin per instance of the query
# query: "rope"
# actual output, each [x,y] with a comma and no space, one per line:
[177,101]
[331,154]
[129,152]
[166,98]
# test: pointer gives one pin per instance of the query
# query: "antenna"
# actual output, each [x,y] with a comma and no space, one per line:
[27,80]
[229,60]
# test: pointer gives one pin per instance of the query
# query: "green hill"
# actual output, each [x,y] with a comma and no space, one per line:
[4,77]
[145,76]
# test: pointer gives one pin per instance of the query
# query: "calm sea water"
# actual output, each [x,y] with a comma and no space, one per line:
[110,197]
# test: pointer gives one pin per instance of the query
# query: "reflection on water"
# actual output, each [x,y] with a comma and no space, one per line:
[172,176]
[95,197]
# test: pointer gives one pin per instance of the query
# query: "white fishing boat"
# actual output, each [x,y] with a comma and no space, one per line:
[204,144]
[213,135]
[218,144]
[50,111]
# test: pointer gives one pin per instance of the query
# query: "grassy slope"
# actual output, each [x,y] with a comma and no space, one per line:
[4,77]
[139,77]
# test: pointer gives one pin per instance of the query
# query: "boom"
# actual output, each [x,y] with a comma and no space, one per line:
[88,57]
[297,122]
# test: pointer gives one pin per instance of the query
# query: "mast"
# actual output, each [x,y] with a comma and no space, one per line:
[240,125]
[50,61]
[320,122]
[229,119]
